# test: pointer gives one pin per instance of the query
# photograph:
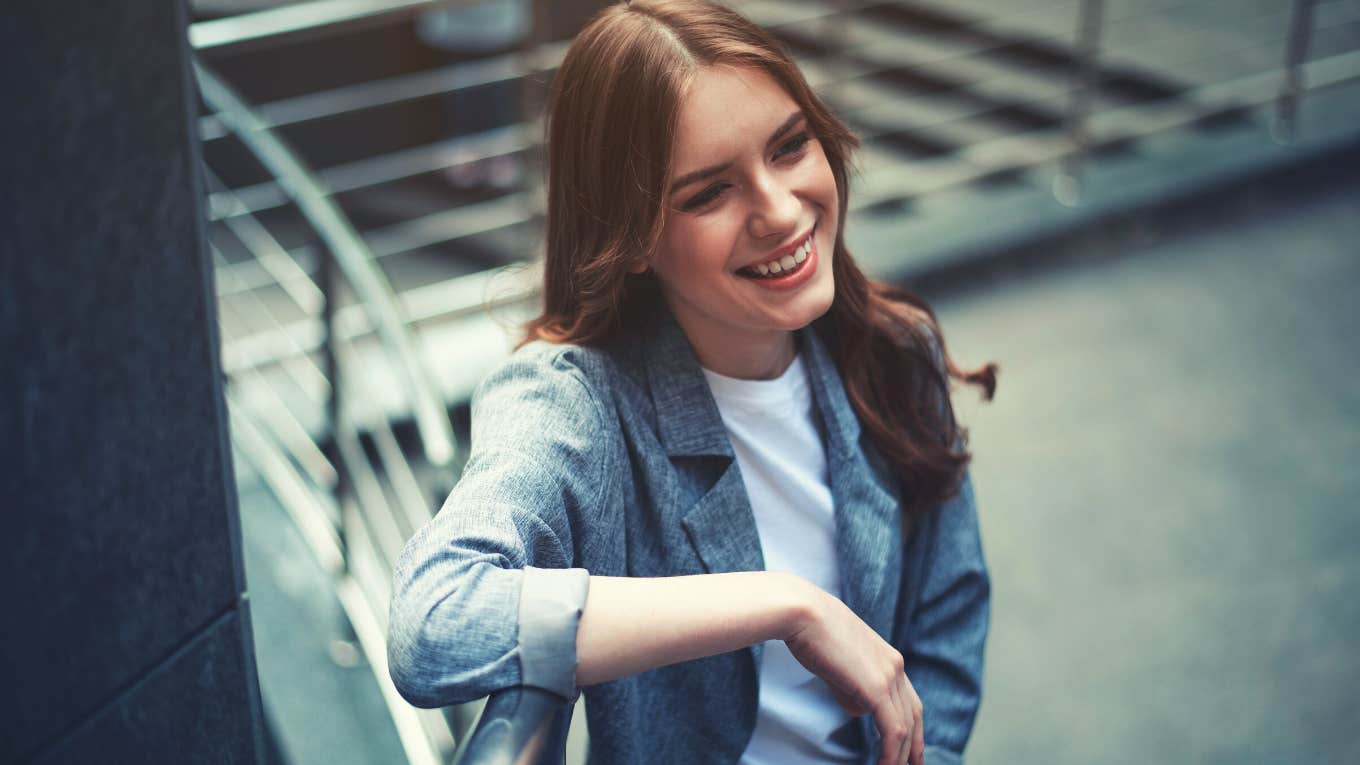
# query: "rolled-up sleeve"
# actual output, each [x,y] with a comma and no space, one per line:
[945,636]
[485,595]
[551,602]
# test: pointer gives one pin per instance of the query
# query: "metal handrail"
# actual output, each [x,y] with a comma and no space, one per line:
[435,228]
[350,253]
[378,93]
[340,540]
[267,251]
[377,514]
[311,511]
[313,17]
[1254,90]
[521,725]
[282,420]
[454,298]
[1300,32]
[384,168]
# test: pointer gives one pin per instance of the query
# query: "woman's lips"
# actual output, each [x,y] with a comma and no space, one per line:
[788,264]
[785,280]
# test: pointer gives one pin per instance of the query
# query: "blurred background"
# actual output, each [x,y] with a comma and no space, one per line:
[1146,211]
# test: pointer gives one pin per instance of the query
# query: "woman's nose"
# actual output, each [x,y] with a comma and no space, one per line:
[775,209]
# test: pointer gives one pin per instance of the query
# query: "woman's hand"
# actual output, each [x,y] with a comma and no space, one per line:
[864,671]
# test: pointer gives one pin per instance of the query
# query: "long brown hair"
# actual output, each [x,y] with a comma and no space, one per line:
[612,116]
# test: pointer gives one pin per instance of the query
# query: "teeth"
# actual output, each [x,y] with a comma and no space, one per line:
[786,263]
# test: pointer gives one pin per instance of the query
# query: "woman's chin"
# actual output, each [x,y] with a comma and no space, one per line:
[811,305]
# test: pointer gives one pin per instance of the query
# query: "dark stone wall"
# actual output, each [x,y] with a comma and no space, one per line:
[127,633]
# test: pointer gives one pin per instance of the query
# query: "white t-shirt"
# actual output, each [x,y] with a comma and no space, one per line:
[783,463]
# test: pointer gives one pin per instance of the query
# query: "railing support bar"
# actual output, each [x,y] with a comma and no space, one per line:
[1086,77]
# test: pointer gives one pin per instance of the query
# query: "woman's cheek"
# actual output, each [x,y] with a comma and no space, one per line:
[824,178]
[717,237]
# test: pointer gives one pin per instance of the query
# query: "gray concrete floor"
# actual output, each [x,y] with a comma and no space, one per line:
[318,711]
[1169,494]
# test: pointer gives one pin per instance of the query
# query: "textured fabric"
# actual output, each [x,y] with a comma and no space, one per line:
[614,460]
[550,606]
[936,755]
[782,461]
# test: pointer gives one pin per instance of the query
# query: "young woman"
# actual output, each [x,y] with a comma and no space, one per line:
[720,488]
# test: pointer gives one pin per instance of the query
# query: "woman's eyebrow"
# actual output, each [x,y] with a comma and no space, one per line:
[784,128]
[699,175]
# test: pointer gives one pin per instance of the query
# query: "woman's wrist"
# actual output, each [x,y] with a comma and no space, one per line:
[801,602]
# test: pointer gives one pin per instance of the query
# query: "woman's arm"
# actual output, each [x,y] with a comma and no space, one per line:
[949,593]
[631,625]
[485,596]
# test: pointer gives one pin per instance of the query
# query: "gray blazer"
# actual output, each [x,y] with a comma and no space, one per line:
[614,461]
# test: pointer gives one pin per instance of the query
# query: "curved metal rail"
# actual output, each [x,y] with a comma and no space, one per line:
[342,535]
[313,17]
[521,724]
[350,251]
[311,511]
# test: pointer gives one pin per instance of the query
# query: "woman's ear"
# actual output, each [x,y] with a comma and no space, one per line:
[638,266]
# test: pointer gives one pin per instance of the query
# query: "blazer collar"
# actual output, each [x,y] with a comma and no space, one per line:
[687,418]
[721,525]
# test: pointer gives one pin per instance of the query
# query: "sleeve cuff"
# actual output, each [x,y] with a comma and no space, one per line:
[935,755]
[550,606]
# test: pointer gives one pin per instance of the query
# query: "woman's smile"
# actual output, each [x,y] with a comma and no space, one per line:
[787,271]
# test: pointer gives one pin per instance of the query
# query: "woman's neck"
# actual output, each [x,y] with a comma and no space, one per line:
[756,357]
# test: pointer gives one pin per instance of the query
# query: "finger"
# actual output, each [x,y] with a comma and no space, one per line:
[918,736]
[904,713]
[892,725]
[889,722]
[902,693]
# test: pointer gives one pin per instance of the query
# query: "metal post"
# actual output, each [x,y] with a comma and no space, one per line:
[835,31]
[1067,185]
[331,366]
[1291,91]
[344,648]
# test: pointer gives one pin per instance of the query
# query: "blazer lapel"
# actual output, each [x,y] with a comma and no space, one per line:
[868,511]
[719,522]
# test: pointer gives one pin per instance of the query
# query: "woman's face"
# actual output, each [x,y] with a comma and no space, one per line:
[751,188]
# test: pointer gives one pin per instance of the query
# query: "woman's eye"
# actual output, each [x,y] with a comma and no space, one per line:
[793,145]
[704,197]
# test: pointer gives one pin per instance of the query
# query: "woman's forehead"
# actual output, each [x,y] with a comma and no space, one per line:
[727,110]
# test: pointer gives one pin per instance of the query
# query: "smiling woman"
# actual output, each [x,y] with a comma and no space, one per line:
[719,488]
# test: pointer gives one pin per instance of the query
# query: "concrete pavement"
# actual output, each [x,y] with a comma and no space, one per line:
[1169,486]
